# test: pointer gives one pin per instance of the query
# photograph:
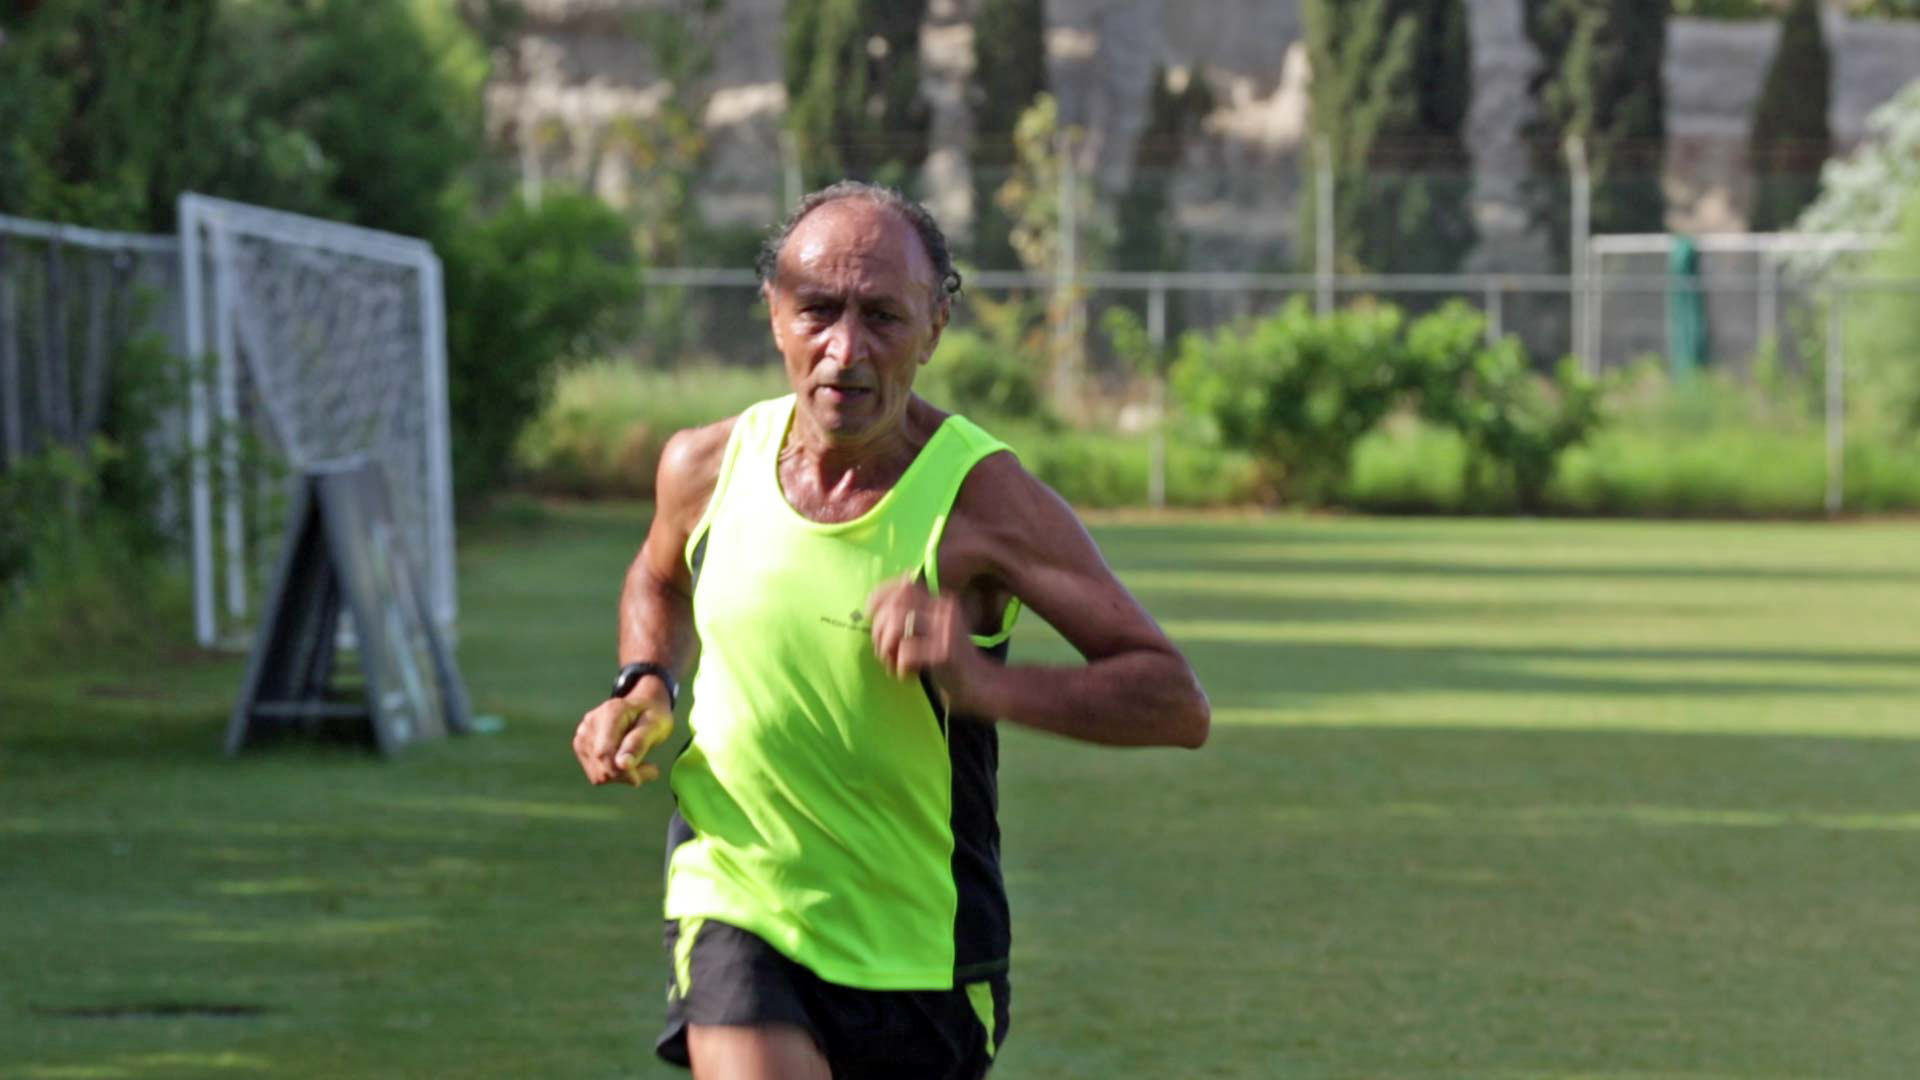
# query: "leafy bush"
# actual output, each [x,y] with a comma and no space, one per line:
[80,526]
[993,368]
[1514,424]
[601,431]
[1709,447]
[1300,392]
[972,374]
[529,290]
[1866,191]
[1883,326]
[1408,466]
[1102,469]
[1297,390]
[79,581]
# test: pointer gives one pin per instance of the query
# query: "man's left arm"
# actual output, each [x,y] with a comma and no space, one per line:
[1011,533]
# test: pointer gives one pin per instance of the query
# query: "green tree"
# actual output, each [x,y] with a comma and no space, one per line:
[1391,87]
[854,107]
[529,289]
[1009,72]
[1599,81]
[669,150]
[1867,191]
[1888,9]
[1145,238]
[370,113]
[392,102]
[1790,135]
[113,107]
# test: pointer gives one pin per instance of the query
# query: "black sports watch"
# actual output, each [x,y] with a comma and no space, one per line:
[631,674]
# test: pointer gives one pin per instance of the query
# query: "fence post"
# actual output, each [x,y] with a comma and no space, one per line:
[92,400]
[1323,225]
[10,433]
[1066,366]
[1495,329]
[1836,400]
[1769,300]
[53,350]
[1157,405]
[1580,228]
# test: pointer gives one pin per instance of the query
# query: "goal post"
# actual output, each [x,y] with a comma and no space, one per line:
[326,344]
[1750,283]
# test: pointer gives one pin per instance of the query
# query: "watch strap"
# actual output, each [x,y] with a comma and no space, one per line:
[631,674]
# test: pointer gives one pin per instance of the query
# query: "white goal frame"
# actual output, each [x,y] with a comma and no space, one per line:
[1796,257]
[221,329]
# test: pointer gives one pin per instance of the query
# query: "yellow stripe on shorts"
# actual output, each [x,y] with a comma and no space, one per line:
[981,995]
[683,954]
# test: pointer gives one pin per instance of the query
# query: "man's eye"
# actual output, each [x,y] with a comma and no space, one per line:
[886,317]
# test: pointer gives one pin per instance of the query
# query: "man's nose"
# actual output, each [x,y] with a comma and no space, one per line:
[846,340]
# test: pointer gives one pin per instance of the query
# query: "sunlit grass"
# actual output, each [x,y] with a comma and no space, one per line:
[1484,799]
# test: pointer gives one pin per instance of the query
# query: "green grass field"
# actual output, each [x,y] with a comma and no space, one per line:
[1485,799]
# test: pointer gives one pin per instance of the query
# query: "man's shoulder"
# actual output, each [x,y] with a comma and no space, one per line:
[692,459]
[694,453]
[1000,495]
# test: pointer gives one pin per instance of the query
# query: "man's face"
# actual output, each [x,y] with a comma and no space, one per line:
[855,314]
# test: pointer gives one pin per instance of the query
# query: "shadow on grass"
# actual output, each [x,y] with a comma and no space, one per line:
[1257,559]
[1239,668]
[1279,606]
[1455,902]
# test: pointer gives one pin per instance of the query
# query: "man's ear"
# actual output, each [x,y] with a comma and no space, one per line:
[942,311]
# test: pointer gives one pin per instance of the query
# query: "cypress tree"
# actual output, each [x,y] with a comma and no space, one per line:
[1009,72]
[854,106]
[1146,239]
[1599,80]
[1790,135]
[1392,80]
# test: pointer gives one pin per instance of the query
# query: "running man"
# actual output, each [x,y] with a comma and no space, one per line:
[847,563]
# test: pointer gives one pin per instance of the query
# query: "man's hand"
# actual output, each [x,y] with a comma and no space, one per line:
[613,741]
[915,631]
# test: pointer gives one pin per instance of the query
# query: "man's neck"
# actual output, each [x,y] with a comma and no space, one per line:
[828,479]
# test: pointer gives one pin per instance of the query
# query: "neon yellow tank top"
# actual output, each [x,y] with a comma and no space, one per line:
[825,805]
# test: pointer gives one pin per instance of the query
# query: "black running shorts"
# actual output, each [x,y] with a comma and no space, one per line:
[726,976]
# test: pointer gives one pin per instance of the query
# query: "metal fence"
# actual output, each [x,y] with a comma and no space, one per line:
[70,300]
[312,343]
[1605,321]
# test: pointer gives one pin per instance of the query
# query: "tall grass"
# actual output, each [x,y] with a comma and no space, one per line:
[1711,447]
[601,432]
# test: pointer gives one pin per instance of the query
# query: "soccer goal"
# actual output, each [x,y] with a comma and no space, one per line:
[325,345]
[1748,285]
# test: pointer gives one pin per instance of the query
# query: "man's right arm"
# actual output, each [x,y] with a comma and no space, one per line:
[656,613]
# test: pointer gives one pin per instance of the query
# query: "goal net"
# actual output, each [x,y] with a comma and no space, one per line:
[325,345]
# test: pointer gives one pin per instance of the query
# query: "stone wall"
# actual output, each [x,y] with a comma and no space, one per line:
[576,74]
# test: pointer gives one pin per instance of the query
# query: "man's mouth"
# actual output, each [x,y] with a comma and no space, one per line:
[843,394]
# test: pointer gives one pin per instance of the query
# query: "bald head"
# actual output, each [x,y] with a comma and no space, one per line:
[862,236]
[932,241]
